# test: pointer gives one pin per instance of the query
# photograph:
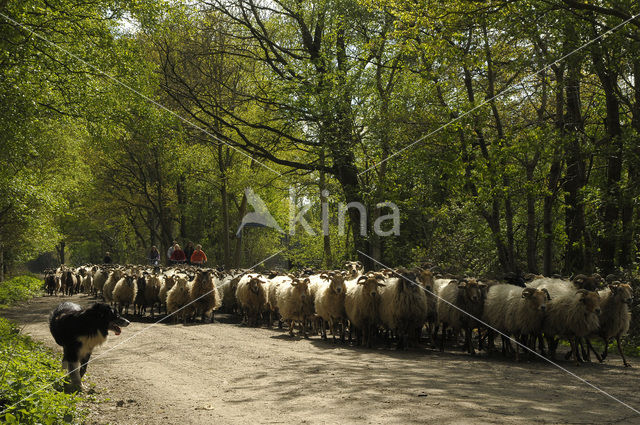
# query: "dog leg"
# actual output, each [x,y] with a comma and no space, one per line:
[83,368]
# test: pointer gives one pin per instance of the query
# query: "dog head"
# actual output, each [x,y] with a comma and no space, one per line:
[110,316]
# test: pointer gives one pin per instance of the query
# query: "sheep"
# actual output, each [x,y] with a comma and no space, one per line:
[590,283]
[403,306]
[361,304]
[109,285]
[251,297]
[51,283]
[468,296]
[329,303]
[178,299]
[99,279]
[292,296]
[152,292]
[271,288]
[228,290]
[427,282]
[167,282]
[354,269]
[139,301]
[516,311]
[125,292]
[571,313]
[615,316]
[204,294]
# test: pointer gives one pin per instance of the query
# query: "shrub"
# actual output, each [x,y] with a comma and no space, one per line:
[28,369]
[19,288]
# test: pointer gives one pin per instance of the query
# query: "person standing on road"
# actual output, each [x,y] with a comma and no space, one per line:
[188,251]
[198,257]
[178,255]
[170,250]
[154,256]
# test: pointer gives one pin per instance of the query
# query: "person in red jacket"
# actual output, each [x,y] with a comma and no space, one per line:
[198,257]
[178,255]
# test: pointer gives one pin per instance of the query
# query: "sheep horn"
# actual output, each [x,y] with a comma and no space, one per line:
[528,292]
[547,293]
[361,280]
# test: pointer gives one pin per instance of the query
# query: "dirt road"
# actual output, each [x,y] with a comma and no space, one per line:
[228,374]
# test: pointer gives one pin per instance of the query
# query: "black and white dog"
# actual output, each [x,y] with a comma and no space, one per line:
[79,330]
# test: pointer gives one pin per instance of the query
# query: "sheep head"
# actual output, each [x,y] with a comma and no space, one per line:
[590,283]
[408,280]
[354,268]
[371,282]
[473,291]
[622,292]
[425,279]
[301,285]
[537,298]
[590,299]
[337,284]
[255,284]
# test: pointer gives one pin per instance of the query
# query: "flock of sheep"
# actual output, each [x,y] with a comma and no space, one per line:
[393,304]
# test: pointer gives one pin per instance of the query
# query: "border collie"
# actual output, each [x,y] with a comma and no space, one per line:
[79,330]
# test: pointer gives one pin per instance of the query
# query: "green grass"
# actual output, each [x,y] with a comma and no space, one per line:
[19,288]
[27,368]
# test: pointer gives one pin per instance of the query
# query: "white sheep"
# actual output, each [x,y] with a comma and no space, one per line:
[468,296]
[361,304]
[124,293]
[110,284]
[329,303]
[99,279]
[571,313]
[166,283]
[204,294]
[292,297]
[271,290]
[252,297]
[152,292]
[615,317]
[178,299]
[228,292]
[516,311]
[354,269]
[403,307]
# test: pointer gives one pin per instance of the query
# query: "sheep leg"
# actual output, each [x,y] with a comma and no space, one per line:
[323,332]
[468,332]
[444,336]
[304,328]
[624,359]
[590,347]
[291,325]
[574,350]
[586,355]
[606,348]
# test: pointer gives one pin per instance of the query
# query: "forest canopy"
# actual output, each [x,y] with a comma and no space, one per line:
[506,132]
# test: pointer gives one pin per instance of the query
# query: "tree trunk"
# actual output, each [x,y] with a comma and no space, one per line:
[532,263]
[1,263]
[224,195]
[633,160]
[555,170]
[182,202]
[610,208]
[60,250]
[326,237]
[237,255]
[577,245]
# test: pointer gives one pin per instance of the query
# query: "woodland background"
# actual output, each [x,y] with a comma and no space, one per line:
[543,175]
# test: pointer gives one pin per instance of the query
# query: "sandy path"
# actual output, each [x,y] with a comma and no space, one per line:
[224,373]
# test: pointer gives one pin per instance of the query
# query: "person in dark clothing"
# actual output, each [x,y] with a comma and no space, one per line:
[107,258]
[154,256]
[188,251]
